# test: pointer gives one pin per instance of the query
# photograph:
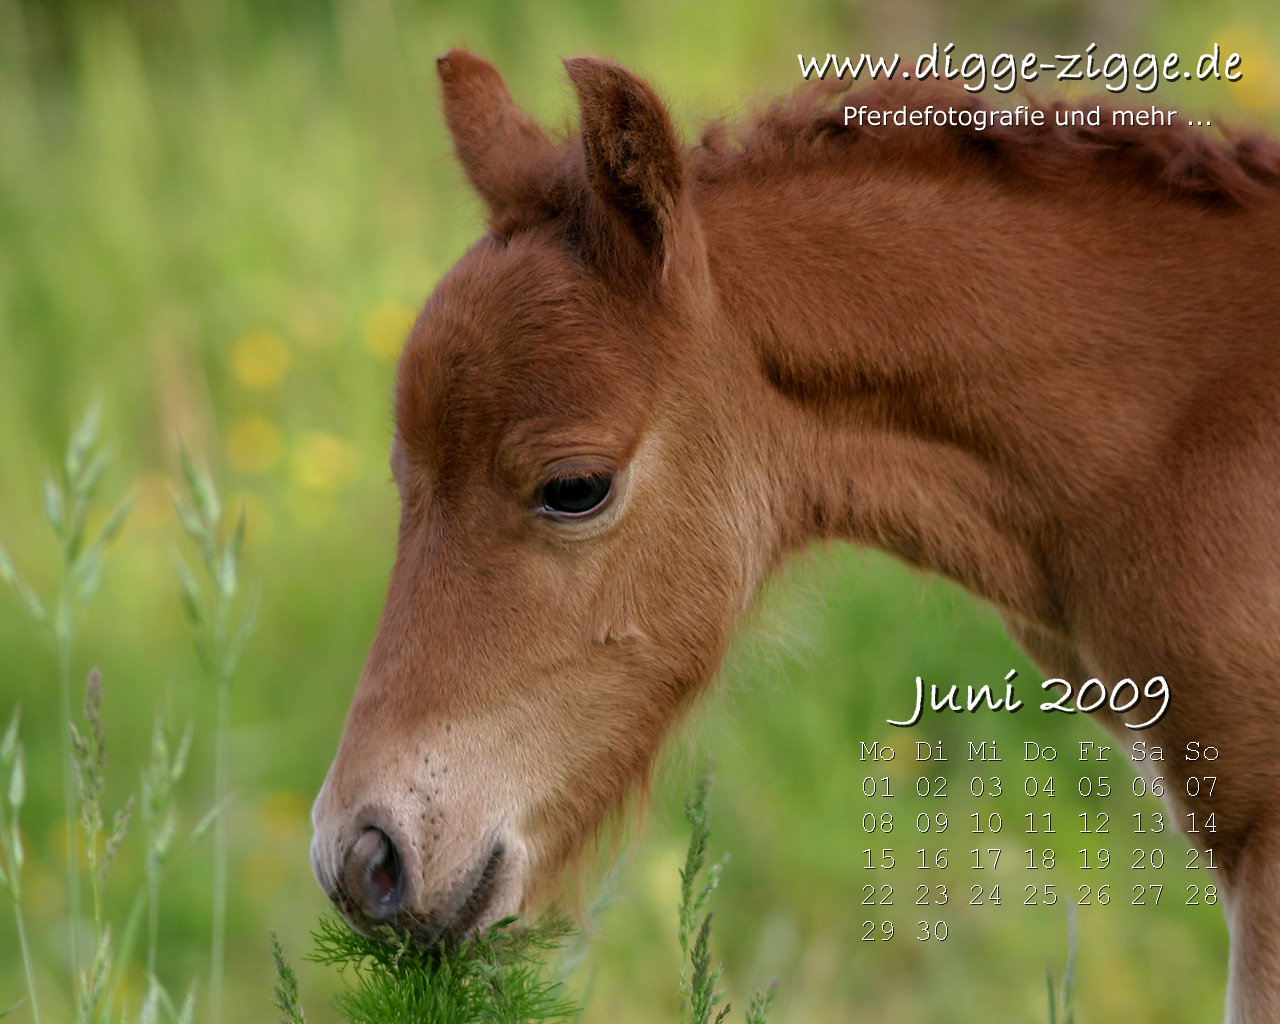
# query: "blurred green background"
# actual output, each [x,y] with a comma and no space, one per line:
[221,216]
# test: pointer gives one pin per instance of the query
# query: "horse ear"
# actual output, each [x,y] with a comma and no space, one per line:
[632,154]
[499,145]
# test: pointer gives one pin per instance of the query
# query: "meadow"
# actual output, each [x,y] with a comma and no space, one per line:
[218,219]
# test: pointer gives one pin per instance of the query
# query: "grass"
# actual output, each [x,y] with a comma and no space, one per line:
[13,776]
[68,498]
[498,977]
[286,991]
[1064,1003]
[698,979]
[221,632]
[98,989]
[97,835]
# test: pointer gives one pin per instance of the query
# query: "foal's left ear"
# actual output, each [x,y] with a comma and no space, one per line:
[500,147]
[632,154]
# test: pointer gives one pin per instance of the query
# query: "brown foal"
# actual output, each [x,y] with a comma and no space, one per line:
[1041,361]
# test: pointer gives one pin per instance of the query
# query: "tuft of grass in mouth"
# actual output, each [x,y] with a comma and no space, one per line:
[497,977]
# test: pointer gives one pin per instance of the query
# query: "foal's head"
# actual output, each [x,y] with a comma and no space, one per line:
[577,536]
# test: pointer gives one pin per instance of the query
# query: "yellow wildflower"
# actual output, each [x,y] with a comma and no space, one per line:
[386,328]
[325,463]
[260,359]
[254,444]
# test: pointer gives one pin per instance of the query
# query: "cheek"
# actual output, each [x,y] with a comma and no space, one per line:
[664,596]
[616,611]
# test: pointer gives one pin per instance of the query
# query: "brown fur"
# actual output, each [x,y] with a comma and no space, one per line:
[1042,362]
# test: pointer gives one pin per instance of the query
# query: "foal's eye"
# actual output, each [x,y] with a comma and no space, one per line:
[576,494]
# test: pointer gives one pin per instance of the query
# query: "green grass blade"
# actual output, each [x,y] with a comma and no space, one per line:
[286,993]
[18,781]
[55,506]
[9,745]
[9,573]
[83,438]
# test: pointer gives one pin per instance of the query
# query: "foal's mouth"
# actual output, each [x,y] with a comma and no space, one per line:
[473,908]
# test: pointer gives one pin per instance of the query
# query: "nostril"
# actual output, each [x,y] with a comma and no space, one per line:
[374,869]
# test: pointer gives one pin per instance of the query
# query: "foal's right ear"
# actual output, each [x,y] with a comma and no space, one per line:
[499,146]
[631,151]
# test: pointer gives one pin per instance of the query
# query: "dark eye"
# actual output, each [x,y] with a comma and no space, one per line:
[576,494]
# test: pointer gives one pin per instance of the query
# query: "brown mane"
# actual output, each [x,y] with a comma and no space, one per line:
[1238,169]
[1213,167]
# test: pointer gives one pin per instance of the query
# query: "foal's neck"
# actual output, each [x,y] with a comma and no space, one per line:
[962,376]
